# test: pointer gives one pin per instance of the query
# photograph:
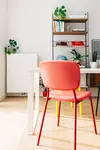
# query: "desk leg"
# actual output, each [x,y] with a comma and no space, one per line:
[30,103]
[36,90]
[33,103]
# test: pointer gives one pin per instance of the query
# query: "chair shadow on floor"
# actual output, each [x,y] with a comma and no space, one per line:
[66,141]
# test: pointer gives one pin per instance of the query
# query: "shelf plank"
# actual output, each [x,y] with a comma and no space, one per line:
[70,46]
[70,33]
[72,20]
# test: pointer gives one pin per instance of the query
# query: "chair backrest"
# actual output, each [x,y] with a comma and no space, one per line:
[60,75]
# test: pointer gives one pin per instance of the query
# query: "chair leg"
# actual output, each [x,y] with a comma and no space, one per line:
[56,108]
[97,102]
[80,104]
[81,108]
[71,104]
[59,113]
[75,124]
[42,122]
[95,129]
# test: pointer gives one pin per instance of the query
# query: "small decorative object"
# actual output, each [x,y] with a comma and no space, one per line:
[77,43]
[77,57]
[44,89]
[61,57]
[78,30]
[77,15]
[60,12]
[12,47]
[94,64]
[68,28]
[61,43]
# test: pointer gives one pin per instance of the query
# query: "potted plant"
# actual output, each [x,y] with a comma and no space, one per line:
[60,12]
[94,64]
[12,47]
[77,57]
[44,89]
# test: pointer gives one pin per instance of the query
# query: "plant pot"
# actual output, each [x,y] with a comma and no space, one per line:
[77,61]
[44,93]
[93,64]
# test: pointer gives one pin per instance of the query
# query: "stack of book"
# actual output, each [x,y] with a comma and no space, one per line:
[58,26]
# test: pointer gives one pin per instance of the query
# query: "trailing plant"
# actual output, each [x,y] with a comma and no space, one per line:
[94,56]
[42,84]
[12,47]
[60,12]
[77,56]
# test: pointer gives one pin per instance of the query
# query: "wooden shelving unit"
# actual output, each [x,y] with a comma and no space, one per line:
[84,33]
[70,33]
[72,20]
[73,33]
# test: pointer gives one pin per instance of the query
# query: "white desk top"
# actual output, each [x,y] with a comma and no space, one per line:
[82,70]
[90,70]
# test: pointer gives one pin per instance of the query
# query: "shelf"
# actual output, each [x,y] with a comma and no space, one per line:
[84,86]
[72,20]
[70,46]
[70,33]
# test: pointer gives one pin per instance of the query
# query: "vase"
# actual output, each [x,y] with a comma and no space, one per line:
[93,64]
[44,93]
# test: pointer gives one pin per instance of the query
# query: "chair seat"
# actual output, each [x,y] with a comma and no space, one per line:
[69,95]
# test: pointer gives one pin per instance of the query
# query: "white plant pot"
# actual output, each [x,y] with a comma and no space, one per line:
[93,64]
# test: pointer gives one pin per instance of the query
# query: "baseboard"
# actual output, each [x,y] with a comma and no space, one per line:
[2,98]
[16,94]
[21,94]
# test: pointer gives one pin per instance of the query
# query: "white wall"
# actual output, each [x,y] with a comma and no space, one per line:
[31,22]
[3,34]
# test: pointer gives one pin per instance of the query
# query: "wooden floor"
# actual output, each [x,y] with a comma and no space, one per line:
[53,137]
[20,103]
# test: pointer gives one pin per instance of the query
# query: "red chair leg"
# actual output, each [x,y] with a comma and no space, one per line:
[42,122]
[95,129]
[59,113]
[75,124]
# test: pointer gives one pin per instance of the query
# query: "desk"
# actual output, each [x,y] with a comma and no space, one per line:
[33,101]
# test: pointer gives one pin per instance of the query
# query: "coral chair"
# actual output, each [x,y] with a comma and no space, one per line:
[64,78]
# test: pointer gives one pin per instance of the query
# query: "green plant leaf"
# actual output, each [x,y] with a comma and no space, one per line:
[11,42]
[9,52]
[17,47]
[85,56]
[64,10]
[5,48]
[73,57]
[15,43]
[14,49]
[56,11]
[5,51]
[60,12]
[72,52]
[62,7]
